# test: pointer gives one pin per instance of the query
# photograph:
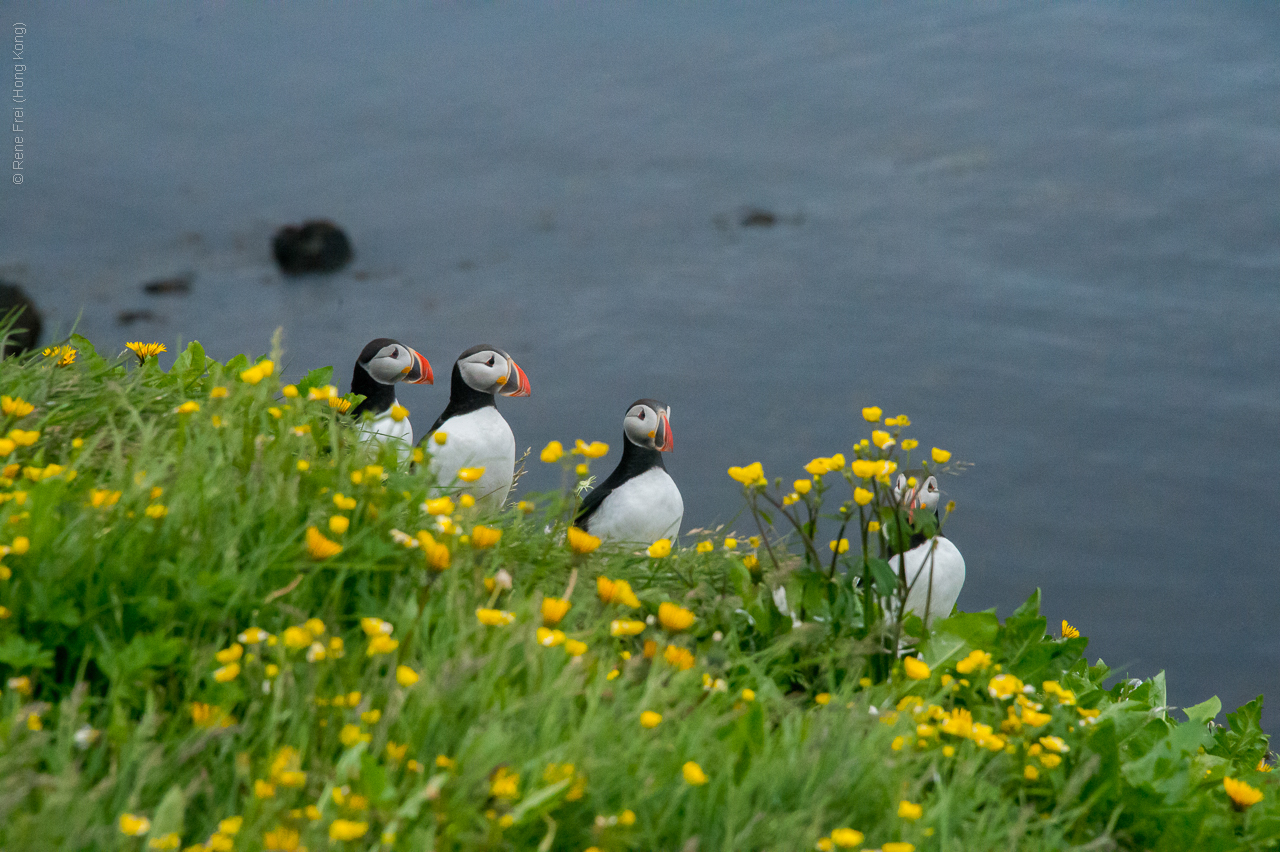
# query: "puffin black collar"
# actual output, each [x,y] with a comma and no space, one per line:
[635,461]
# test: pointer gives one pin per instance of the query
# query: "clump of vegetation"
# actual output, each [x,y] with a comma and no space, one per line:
[226,624]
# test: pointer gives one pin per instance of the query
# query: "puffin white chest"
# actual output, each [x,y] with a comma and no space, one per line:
[642,510]
[386,429]
[479,438]
[935,575]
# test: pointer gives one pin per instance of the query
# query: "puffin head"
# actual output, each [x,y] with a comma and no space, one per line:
[648,425]
[488,369]
[919,495]
[389,361]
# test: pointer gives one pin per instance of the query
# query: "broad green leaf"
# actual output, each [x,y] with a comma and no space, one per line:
[1204,711]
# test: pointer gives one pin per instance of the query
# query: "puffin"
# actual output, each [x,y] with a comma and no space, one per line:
[475,435]
[381,364]
[639,503]
[934,566]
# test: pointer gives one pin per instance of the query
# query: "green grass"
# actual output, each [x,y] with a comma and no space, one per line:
[114,617]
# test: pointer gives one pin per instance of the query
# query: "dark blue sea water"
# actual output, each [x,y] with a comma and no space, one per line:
[1050,233]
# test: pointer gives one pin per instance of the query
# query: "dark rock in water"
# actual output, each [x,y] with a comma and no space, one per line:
[26,326]
[757,217]
[176,285]
[130,317]
[316,246]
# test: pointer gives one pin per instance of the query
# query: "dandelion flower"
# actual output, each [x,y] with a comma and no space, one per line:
[650,719]
[680,658]
[319,547]
[675,618]
[693,774]
[145,350]
[940,456]
[582,541]
[1069,632]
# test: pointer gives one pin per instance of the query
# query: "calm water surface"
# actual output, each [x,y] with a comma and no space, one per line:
[1047,234]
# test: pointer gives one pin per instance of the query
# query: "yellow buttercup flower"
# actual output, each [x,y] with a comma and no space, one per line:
[910,444]
[406,676]
[145,350]
[188,407]
[841,546]
[483,537]
[616,591]
[625,627]
[227,673]
[679,657]
[134,826]
[862,496]
[675,618]
[552,452]
[846,838]
[975,660]
[470,474]
[494,617]
[881,438]
[381,644]
[582,541]
[865,468]
[940,456]
[548,638]
[896,846]
[504,784]
[751,475]
[399,412]
[345,829]
[909,810]
[574,648]
[319,547]
[650,719]
[439,506]
[660,548]
[15,406]
[872,414]
[803,486]
[915,668]
[822,699]
[1004,686]
[693,774]
[338,524]
[230,655]
[705,547]
[553,610]
[594,450]
[260,371]
[748,695]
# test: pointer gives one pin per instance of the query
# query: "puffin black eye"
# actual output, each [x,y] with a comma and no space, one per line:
[489,363]
[395,354]
[641,415]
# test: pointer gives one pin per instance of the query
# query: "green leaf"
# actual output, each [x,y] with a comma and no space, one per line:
[979,629]
[21,654]
[538,799]
[883,577]
[169,813]
[191,363]
[318,377]
[1204,711]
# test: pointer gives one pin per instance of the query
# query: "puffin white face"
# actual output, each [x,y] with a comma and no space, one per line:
[648,424]
[396,362]
[493,371]
[916,495]
[929,493]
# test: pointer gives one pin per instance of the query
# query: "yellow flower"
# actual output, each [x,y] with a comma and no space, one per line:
[660,548]
[345,829]
[679,657]
[693,774]
[915,668]
[802,486]
[399,412]
[650,719]
[705,547]
[495,617]
[822,699]
[319,547]
[65,355]
[553,610]
[188,407]
[825,844]
[15,406]
[303,465]
[623,627]
[257,372]
[297,637]
[627,818]
[594,450]
[897,847]
[730,543]
[381,644]
[145,350]
[439,506]
[548,638]
[1003,686]
[862,496]
[872,414]
[910,444]
[748,695]
[281,839]
[165,841]
[20,545]
[1055,744]
[909,810]
[134,826]
[582,541]
[675,618]
[1240,793]
[941,456]
[230,655]
[350,735]
[406,676]
[338,524]
[227,673]
[881,438]
[470,474]
[504,784]
[552,452]
[841,546]
[873,526]
[975,660]
[616,591]
[751,475]
[483,537]
[574,648]
[1069,632]
[847,838]
[1262,766]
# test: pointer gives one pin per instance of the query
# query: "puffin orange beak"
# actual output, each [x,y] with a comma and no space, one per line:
[517,383]
[419,372]
[664,441]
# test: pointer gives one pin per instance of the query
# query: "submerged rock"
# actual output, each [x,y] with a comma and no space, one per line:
[26,326]
[757,217]
[315,246]
[176,285]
